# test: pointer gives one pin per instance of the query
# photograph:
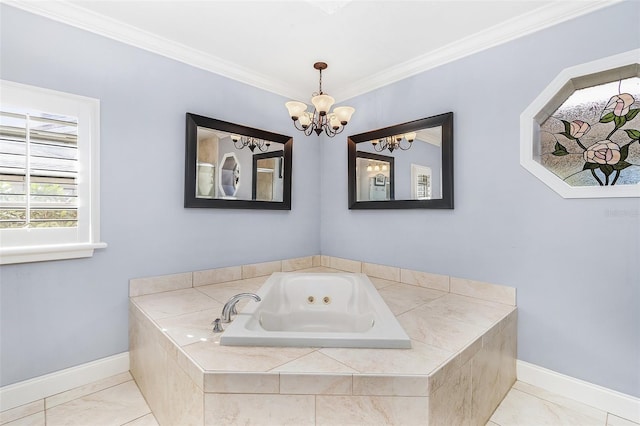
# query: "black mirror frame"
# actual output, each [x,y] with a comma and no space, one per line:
[446,202]
[190,201]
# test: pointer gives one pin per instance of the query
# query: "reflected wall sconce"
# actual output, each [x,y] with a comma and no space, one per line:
[321,119]
[252,143]
[394,142]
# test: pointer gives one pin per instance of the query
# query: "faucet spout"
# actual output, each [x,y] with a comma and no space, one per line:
[229,307]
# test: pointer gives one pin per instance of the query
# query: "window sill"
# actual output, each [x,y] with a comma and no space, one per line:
[51,252]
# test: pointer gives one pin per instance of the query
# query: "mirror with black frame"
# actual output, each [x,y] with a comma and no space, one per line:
[228,165]
[406,166]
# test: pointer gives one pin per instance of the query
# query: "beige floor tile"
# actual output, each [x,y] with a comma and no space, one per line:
[315,362]
[150,285]
[466,309]
[426,327]
[320,269]
[116,405]
[172,303]
[425,279]
[36,419]
[226,409]
[297,264]
[420,359]
[381,271]
[224,291]
[523,409]
[371,410]
[191,328]
[379,283]
[403,297]
[147,420]
[619,421]
[21,411]
[81,391]
[559,400]
[241,358]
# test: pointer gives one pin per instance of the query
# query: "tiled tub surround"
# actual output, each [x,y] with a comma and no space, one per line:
[460,367]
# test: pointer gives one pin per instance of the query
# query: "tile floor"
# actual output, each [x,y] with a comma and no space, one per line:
[116,401]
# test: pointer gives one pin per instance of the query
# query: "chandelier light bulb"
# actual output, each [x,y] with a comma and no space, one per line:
[344,114]
[322,103]
[305,119]
[296,109]
[334,122]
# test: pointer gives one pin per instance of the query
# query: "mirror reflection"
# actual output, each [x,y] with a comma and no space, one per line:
[234,166]
[404,166]
[226,171]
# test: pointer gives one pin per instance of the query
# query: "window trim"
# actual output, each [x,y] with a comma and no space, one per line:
[623,65]
[42,244]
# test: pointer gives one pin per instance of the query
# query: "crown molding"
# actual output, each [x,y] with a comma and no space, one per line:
[552,14]
[512,29]
[70,14]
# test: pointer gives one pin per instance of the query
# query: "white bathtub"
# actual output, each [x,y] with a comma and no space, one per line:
[331,310]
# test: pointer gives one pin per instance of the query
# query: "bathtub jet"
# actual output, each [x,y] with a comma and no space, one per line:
[328,310]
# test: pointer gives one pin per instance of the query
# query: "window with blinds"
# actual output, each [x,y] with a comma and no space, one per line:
[49,174]
[38,169]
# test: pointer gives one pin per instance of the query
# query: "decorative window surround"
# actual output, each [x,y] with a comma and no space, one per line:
[594,73]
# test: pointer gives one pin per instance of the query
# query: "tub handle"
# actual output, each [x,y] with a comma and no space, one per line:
[217,326]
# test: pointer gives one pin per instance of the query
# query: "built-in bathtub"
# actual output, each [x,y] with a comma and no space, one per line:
[460,365]
[327,310]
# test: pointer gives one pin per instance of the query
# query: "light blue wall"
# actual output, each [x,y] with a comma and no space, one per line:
[574,262]
[55,315]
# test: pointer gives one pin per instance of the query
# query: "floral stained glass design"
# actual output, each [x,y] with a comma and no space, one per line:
[593,138]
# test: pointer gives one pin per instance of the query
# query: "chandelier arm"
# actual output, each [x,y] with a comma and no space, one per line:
[242,145]
[404,149]
[298,126]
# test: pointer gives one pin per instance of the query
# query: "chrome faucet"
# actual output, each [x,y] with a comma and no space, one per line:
[230,306]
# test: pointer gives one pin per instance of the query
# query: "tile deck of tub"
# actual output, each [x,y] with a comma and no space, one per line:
[460,366]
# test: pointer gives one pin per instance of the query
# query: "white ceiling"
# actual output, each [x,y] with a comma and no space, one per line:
[273,44]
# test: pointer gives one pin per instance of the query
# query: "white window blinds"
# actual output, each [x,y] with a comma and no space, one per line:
[38,169]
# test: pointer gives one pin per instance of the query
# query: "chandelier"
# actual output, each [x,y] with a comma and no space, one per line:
[394,142]
[252,143]
[321,119]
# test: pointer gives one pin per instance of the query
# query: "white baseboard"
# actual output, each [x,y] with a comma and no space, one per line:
[617,403]
[21,393]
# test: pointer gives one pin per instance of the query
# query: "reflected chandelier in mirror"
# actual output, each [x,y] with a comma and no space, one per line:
[220,173]
[413,171]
